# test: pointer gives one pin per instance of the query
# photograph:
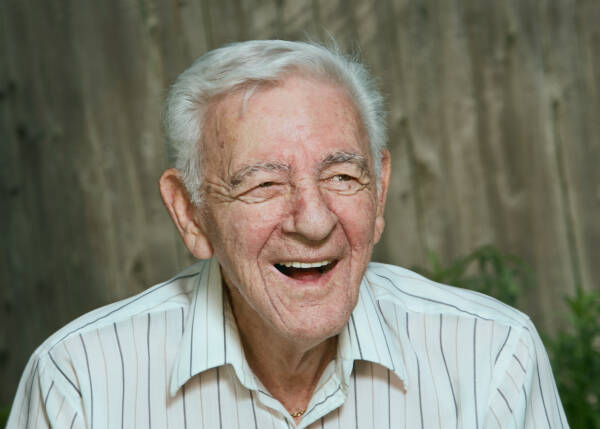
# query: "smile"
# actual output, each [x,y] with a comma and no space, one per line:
[305,270]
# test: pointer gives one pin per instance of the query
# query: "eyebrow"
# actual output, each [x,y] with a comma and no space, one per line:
[243,173]
[343,157]
[335,158]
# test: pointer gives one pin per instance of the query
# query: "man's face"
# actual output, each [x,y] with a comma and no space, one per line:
[291,204]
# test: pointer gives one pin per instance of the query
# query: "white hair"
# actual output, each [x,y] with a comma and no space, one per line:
[234,66]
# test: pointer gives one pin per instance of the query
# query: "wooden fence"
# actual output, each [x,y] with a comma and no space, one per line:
[494,130]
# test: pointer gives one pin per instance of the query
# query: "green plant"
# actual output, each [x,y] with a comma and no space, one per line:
[487,270]
[575,355]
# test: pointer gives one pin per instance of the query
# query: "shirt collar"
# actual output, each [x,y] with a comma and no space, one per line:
[368,337]
[211,339]
[204,343]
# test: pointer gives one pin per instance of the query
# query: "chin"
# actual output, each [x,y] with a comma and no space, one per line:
[313,329]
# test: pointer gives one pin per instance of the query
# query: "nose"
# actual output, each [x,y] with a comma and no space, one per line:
[310,216]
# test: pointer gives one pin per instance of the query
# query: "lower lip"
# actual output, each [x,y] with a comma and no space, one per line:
[306,275]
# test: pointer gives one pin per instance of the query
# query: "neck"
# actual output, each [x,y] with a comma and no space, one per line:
[288,369]
[289,376]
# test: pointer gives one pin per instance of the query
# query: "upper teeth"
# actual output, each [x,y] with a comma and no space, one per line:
[305,264]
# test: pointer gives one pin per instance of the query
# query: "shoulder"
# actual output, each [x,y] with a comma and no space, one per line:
[172,294]
[67,361]
[416,294]
[66,354]
[461,319]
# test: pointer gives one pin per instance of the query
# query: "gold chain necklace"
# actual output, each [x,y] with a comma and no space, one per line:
[298,413]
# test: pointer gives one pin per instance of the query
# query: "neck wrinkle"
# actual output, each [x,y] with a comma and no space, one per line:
[289,373]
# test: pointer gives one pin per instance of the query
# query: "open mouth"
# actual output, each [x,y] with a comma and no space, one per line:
[305,270]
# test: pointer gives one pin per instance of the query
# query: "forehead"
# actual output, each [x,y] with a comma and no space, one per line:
[279,122]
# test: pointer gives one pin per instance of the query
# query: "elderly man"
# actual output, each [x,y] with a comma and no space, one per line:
[279,189]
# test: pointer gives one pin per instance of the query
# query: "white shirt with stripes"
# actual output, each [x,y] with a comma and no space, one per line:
[414,354]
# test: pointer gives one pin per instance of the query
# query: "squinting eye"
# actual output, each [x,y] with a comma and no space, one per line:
[343,183]
[263,191]
[342,177]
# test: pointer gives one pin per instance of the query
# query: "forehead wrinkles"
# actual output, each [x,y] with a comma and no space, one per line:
[311,98]
[234,105]
[225,115]
[343,104]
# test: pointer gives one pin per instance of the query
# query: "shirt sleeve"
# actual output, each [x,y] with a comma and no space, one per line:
[42,400]
[525,395]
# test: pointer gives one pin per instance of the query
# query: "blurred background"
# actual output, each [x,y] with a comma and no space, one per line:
[494,129]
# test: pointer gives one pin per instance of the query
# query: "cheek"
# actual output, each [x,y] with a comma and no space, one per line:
[358,220]
[246,229]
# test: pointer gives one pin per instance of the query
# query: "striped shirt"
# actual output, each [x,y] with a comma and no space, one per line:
[414,354]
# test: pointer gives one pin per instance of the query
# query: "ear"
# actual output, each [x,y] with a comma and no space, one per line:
[385,173]
[183,213]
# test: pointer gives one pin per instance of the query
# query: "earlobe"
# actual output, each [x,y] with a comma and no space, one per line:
[379,225]
[183,213]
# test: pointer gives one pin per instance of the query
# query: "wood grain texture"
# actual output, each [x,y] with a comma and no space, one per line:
[494,130]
